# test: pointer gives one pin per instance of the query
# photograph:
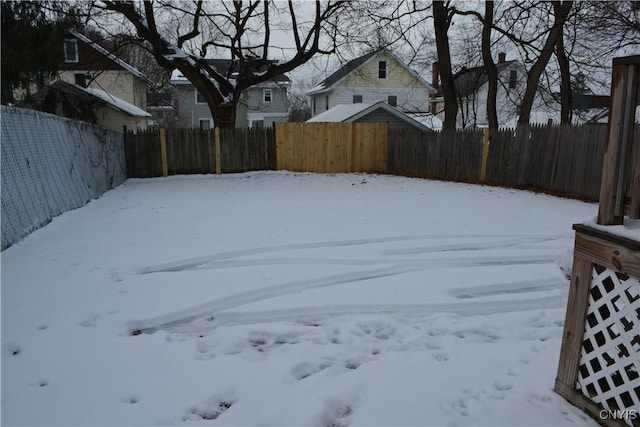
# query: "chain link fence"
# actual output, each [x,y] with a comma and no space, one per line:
[50,165]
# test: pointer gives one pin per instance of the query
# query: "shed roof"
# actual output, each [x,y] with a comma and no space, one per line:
[96,94]
[346,113]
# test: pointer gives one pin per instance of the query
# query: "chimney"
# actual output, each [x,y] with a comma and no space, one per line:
[81,79]
[502,57]
[435,74]
[435,81]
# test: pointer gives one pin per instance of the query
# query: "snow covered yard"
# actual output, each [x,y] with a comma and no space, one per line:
[276,298]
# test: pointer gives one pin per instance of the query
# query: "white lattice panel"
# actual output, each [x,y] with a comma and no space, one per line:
[609,372]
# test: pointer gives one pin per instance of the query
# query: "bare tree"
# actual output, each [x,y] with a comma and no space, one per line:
[242,30]
[561,11]
[442,18]
[490,66]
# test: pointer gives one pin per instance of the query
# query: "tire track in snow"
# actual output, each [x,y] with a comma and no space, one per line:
[509,288]
[465,246]
[191,263]
[320,313]
[210,308]
[255,295]
[423,264]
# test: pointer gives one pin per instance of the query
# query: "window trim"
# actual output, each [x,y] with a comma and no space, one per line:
[384,69]
[268,91]
[203,102]
[76,58]
[205,119]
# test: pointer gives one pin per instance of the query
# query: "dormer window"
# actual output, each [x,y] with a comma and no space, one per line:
[382,69]
[71,50]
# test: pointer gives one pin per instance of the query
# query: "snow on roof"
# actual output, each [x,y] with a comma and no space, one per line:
[340,113]
[353,112]
[116,102]
[109,55]
[113,101]
[427,119]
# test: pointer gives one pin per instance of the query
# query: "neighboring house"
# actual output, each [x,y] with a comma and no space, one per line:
[585,108]
[162,107]
[89,104]
[87,63]
[260,105]
[472,91]
[376,76]
[375,113]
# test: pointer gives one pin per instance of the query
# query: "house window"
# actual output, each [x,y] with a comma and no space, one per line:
[392,100]
[200,98]
[326,103]
[513,79]
[257,124]
[71,50]
[267,95]
[382,69]
[205,124]
[357,99]
[314,106]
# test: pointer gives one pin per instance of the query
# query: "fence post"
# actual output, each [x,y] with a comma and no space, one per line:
[163,152]
[485,154]
[216,133]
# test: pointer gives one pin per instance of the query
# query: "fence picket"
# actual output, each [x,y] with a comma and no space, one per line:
[559,159]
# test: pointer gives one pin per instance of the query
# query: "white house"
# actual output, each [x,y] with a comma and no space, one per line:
[472,89]
[376,76]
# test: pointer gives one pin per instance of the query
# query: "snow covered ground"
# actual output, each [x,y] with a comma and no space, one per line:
[276,298]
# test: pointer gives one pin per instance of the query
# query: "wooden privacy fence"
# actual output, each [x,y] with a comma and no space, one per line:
[199,151]
[332,147]
[560,159]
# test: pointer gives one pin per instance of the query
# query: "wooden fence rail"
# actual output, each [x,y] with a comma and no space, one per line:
[560,159]
[195,151]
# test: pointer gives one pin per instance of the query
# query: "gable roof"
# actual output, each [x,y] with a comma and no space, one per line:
[95,94]
[346,113]
[469,80]
[223,66]
[352,66]
[109,55]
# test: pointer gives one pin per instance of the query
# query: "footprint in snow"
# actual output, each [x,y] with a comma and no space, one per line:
[91,321]
[337,414]
[130,398]
[209,410]
[306,369]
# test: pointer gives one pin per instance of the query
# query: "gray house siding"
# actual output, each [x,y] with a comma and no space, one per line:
[252,109]
[383,116]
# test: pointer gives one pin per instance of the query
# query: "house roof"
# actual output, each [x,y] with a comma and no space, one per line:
[346,113]
[223,66]
[353,65]
[469,80]
[96,94]
[582,101]
[109,55]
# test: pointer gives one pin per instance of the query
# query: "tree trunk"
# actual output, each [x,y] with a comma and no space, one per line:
[561,11]
[490,67]
[565,82]
[441,22]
